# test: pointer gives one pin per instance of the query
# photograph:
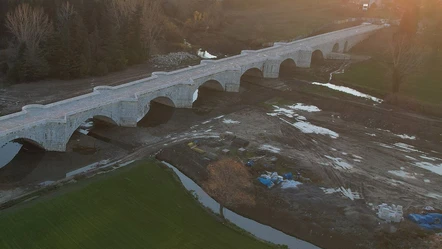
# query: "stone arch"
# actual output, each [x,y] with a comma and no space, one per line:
[317,57]
[252,72]
[208,85]
[79,122]
[213,84]
[335,48]
[345,47]
[163,100]
[158,111]
[287,67]
[23,140]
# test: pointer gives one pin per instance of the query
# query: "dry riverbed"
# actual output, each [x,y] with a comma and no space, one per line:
[350,154]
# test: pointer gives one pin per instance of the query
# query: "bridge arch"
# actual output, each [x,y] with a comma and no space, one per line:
[25,140]
[345,47]
[81,121]
[287,67]
[253,72]
[163,100]
[317,57]
[335,48]
[159,110]
[207,86]
[212,84]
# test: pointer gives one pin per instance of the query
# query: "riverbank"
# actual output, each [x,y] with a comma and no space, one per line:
[140,206]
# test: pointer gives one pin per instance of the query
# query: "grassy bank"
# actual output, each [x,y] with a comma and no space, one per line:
[140,207]
[424,86]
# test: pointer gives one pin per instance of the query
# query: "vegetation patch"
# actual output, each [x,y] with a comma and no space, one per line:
[142,207]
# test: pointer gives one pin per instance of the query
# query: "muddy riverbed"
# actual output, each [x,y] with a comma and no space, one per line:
[333,143]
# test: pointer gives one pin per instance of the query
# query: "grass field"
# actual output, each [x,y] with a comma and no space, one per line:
[140,207]
[424,86]
[286,19]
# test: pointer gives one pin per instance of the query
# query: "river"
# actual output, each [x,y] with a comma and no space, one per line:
[259,230]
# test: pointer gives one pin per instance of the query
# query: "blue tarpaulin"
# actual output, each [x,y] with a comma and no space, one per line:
[431,221]
[266,181]
[288,176]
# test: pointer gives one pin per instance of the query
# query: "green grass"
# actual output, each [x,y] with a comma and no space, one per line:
[425,85]
[283,20]
[140,207]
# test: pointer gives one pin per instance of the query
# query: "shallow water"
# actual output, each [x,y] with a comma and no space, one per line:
[257,229]
[8,152]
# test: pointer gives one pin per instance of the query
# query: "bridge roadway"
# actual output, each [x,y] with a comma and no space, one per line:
[13,125]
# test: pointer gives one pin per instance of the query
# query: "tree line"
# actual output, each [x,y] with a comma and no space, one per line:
[76,38]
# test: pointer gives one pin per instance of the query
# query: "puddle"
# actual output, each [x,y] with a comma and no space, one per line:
[303,107]
[308,128]
[405,136]
[270,148]
[259,230]
[435,168]
[230,121]
[402,173]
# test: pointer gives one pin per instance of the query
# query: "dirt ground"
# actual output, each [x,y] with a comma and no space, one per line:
[382,169]
[378,164]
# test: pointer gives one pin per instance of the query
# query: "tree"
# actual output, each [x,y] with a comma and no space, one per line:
[152,24]
[28,25]
[30,28]
[229,182]
[432,20]
[406,59]
[71,53]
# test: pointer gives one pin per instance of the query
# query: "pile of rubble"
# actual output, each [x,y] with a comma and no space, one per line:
[172,59]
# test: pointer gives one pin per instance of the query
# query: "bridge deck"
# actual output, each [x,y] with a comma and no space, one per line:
[58,110]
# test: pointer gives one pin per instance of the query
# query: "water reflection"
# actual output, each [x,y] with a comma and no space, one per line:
[157,115]
[259,230]
[8,152]
[17,160]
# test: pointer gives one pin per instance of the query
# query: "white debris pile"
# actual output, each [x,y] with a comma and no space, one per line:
[391,213]
[172,59]
[290,184]
[273,178]
[345,192]
[205,55]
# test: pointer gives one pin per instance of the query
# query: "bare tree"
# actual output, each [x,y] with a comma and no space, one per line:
[152,18]
[230,183]
[65,13]
[406,56]
[30,26]
[152,22]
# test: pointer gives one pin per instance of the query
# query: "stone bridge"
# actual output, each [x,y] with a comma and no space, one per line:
[51,126]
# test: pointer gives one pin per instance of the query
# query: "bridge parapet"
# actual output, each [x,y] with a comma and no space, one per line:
[51,125]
